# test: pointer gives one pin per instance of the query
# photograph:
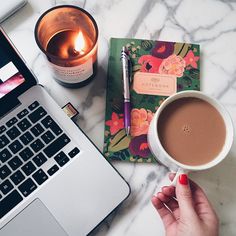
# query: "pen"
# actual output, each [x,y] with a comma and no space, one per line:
[125,60]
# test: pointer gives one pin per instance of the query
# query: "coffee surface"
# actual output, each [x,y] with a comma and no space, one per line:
[191,130]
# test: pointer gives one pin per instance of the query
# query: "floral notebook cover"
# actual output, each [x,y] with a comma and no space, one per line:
[159,69]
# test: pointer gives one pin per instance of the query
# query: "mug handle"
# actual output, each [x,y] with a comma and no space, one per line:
[179,172]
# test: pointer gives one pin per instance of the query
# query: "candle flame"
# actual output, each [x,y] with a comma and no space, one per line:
[80,43]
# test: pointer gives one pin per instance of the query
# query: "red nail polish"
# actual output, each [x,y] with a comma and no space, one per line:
[183,179]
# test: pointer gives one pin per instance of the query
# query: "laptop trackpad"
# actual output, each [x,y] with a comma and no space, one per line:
[35,220]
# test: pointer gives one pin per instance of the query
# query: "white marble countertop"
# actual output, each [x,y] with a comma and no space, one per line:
[210,23]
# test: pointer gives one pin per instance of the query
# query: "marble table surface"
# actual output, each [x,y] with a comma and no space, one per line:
[210,23]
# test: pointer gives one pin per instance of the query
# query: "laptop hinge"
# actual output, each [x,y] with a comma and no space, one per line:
[9,106]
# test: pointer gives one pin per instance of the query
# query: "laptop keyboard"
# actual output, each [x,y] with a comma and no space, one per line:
[27,142]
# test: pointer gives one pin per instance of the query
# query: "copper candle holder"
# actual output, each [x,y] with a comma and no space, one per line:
[68,36]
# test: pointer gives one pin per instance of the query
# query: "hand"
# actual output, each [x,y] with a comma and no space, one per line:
[185,209]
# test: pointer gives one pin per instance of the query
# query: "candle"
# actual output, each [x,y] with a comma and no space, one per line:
[68,37]
[69,44]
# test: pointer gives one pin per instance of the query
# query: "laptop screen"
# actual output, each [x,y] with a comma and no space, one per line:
[15,76]
[10,77]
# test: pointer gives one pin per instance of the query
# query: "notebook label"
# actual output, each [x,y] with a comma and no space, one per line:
[154,84]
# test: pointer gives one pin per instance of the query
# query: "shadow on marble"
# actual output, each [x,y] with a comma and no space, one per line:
[97,88]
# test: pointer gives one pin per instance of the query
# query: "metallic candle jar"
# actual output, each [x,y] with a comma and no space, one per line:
[68,36]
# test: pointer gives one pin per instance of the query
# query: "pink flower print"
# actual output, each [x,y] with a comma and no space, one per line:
[149,63]
[173,65]
[115,123]
[190,59]
[140,121]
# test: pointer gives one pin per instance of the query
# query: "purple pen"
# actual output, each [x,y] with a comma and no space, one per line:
[126,81]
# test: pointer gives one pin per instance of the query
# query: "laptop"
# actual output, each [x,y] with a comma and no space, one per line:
[53,180]
[10,7]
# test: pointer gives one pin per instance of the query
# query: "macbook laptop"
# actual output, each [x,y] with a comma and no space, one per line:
[53,180]
[10,7]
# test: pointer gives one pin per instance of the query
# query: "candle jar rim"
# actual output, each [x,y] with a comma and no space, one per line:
[65,6]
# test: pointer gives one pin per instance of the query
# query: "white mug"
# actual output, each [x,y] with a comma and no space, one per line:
[162,156]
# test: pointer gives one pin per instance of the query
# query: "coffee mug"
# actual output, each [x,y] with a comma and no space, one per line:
[161,154]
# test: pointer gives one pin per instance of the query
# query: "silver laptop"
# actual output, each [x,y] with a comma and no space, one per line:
[10,7]
[53,180]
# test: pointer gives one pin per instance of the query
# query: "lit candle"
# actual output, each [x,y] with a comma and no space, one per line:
[68,37]
[80,44]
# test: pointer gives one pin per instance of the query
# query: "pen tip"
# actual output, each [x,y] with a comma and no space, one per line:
[127,130]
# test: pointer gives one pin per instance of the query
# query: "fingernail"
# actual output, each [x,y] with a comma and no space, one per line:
[183,179]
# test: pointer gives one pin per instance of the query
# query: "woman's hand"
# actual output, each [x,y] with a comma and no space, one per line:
[185,209]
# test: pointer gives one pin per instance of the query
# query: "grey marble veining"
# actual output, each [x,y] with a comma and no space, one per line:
[210,23]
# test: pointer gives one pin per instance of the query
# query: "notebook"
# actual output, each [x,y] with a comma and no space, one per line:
[159,69]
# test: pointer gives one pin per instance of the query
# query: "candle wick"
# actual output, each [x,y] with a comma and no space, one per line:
[81,52]
[75,51]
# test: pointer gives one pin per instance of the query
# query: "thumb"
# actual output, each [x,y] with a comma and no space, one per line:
[184,197]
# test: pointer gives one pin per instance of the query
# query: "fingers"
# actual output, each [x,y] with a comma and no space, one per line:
[169,191]
[170,197]
[165,214]
[170,203]
[192,201]
[184,197]
[200,198]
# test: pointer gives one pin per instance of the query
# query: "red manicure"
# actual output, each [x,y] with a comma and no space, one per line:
[183,179]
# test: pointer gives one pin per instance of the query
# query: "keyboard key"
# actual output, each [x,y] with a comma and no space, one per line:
[48,137]
[40,176]
[26,138]
[17,177]
[11,122]
[2,129]
[28,168]
[6,187]
[27,187]
[22,113]
[13,133]
[16,146]
[37,145]
[15,163]
[61,158]
[56,145]
[33,105]
[37,114]
[3,141]
[9,202]
[74,152]
[48,122]
[53,170]
[24,124]
[5,155]
[26,154]
[4,172]
[37,130]
[39,159]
